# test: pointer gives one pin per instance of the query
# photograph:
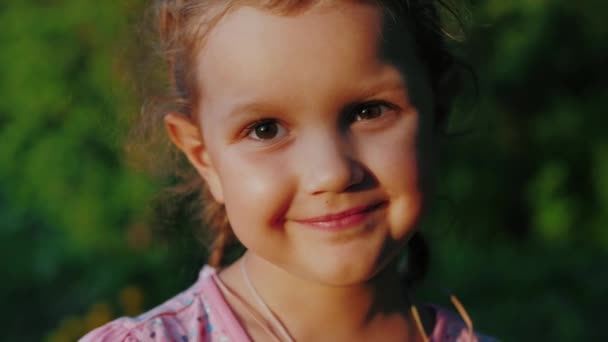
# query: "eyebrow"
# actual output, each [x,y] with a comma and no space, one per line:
[386,84]
[254,107]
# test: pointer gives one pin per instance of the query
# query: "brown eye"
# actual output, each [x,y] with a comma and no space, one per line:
[266,130]
[369,111]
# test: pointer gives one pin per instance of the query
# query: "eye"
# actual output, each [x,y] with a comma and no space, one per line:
[266,129]
[369,111]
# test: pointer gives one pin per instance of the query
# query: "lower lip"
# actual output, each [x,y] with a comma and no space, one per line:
[344,222]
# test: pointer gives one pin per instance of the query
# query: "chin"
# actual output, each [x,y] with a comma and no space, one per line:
[342,271]
[349,264]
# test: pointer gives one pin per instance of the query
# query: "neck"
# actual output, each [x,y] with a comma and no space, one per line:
[379,305]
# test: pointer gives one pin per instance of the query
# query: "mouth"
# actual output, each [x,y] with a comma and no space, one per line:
[344,219]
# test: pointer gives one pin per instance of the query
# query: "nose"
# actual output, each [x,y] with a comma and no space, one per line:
[329,165]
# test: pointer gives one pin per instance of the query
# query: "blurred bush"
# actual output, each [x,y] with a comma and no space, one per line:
[73,217]
[518,232]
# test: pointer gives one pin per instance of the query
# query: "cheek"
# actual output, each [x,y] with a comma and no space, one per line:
[257,191]
[393,159]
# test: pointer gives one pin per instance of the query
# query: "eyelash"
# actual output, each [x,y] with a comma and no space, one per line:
[356,110]
[255,125]
[351,117]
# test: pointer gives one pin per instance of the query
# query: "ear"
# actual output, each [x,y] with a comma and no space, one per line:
[187,137]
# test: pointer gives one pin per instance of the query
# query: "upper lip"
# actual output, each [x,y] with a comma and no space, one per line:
[341,214]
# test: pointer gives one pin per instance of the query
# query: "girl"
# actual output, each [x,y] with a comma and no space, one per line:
[311,124]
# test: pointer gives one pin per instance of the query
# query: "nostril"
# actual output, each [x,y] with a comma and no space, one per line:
[339,175]
[363,181]
[358,175]
[328,164]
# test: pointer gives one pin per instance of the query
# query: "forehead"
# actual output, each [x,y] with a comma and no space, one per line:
[321,46]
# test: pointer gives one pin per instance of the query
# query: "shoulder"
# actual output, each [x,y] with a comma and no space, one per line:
[449,327]
[120,330]
[185,317]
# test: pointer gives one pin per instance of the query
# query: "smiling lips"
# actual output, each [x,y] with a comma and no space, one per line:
[342,220]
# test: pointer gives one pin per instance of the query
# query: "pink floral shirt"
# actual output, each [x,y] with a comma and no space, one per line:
[202,314]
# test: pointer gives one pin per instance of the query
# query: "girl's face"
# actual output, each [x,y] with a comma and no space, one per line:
[312,130]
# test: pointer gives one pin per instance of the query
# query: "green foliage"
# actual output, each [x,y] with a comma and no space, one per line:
[519,232]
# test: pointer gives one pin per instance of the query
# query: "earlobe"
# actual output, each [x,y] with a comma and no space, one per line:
[187,137]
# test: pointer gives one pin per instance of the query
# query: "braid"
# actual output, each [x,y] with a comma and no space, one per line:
[214,215]
[217,249]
